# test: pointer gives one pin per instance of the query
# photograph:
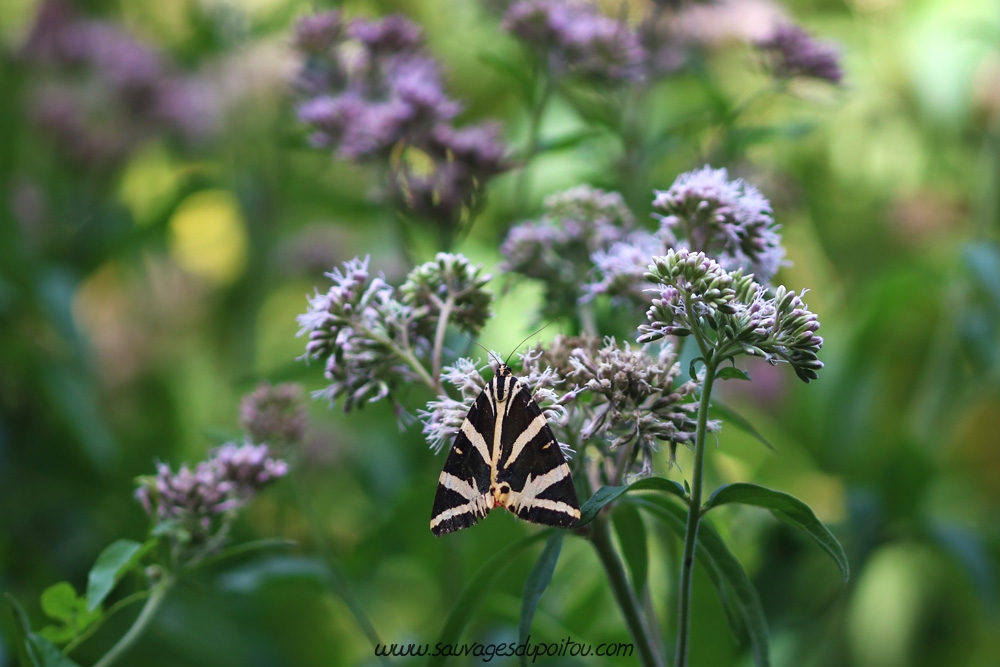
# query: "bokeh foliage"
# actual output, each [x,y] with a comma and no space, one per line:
[140,297]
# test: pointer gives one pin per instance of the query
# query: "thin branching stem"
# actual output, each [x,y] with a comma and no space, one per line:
[623,593]
[693,519]
[534,132]
[442,325]
[112,610]
[142,621]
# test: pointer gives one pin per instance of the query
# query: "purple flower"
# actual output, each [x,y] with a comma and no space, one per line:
[226,481]
[479,147]
[731,312]
[99,92]
[728,220]
[540,23]
[576,38]
[362,332]
[416,83]
[792,52]
[392,34]
[274,414]
[557,248]
[317,33]
[383,92]
[619,271]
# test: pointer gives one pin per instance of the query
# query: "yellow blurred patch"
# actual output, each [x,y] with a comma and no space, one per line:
[208,236]
[148,183]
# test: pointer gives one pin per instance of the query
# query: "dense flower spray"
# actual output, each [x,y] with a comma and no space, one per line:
[790,51]
[372,94]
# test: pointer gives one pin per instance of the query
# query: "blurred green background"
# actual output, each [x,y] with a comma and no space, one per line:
[144,288]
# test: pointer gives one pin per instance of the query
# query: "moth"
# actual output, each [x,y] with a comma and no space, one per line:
[505,455]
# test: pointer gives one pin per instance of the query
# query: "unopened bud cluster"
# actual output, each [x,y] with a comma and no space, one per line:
[730,312]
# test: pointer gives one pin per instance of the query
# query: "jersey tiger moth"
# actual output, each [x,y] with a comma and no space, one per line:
[505,455]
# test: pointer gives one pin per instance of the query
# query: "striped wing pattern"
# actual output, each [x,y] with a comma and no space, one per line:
[505,455]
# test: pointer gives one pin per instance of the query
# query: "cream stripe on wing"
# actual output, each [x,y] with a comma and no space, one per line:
[477,440]
[452,513]
[527,435]
[460,486]
[528,496]
[554,505]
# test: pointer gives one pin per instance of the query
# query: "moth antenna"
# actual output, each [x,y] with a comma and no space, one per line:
[488,353]
[526,340]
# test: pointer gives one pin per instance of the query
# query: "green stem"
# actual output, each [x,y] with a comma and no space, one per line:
[338,582]
[112,610]
[407,356]
[622,590]
[534,131]
[693,520]
[442,326]
[139,626]
[588,320]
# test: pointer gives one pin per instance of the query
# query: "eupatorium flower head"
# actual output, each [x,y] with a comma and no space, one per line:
[274,414]
[557,248]
[728,220]
[635,398]
[449,282]
[731,312]
[372,94]
[575,38]
[230,477]
[792,52]
[620,270]
[359,327]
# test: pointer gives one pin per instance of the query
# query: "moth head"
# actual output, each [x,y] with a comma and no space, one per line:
[501,493]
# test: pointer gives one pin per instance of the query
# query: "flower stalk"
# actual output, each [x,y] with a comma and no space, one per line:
[693,520]
[153,603]
[624,595]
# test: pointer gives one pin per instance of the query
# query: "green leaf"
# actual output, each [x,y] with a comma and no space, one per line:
[983,261]
[631,533]
[525,84]
[112,564]
[568,140]
[536,583]
[596,502]
[245,548]
[61,603]
[26,651]
[787,508]
[607,494]
[49,655]
[660,484]
[732,585]
[731,373]
[474,591]
[692,371]
[740,422]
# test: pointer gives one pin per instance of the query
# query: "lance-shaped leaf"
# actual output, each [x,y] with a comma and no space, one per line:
[536,583]
[608,494]
[112,564]
[474,591]
[787,508]
[736,592]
